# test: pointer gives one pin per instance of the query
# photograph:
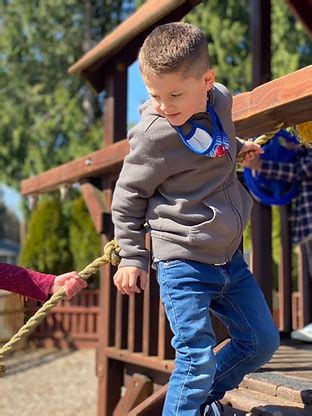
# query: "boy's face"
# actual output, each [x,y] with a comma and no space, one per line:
[176,97]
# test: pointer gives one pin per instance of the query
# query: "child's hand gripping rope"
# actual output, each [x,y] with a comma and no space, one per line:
[111,255]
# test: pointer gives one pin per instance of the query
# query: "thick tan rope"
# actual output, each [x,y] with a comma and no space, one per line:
[111,255]
[264,138]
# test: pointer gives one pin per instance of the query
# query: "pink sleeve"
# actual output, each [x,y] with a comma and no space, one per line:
[25,282]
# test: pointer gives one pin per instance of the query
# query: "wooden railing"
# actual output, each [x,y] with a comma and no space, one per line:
[73,323]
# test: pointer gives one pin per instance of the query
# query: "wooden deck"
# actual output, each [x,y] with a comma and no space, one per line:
[283,387]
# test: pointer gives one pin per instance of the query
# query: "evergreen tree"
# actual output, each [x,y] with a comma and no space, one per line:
[9,224]
[46,245]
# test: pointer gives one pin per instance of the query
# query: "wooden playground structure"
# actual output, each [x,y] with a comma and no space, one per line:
[134,354]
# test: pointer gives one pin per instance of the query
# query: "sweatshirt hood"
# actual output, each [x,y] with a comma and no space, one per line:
[146,109]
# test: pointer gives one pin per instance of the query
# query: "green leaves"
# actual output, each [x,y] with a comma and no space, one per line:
[46,247]
[227,26]
[60,237]
[43,122]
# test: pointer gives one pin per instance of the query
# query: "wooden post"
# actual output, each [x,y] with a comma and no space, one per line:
[115,107]
[304,287]
[284,272]
[261,217]
[110,372]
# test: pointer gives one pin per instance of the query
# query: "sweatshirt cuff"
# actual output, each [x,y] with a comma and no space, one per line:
[141,263]
[239,144]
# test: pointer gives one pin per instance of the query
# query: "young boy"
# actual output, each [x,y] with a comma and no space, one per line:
[180,179]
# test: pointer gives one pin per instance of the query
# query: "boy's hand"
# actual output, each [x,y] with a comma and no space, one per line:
[249,152]
[72,282]
[125,279]
[252,163]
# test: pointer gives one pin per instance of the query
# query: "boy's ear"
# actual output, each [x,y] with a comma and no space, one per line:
[209,79]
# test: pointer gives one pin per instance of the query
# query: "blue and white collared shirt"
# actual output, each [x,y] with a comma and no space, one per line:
[300,172]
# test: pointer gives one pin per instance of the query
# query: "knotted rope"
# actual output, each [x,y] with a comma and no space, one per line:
[264,138]
[111,255]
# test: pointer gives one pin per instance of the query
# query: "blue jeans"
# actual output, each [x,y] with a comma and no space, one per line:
[188,290]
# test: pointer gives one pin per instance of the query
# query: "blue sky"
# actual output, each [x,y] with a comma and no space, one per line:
[136,96]
[136,93]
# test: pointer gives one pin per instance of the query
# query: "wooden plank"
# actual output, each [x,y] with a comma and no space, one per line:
[139,387]
[287,99]
[118,324]
[260,29]
[261,259]
[165,350]
[135,323]
[261,217]
[284,271]
[95,203]
[150,310]
[115,115]
[139,359]
[304,286]
[153,405]
[108,159]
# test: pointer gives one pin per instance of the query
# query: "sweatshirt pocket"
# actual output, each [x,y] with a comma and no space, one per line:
[217,232]
[224,227]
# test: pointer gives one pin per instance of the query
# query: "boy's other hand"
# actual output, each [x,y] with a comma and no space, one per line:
[72,282]
[249,152]
[252,162]
[126,280]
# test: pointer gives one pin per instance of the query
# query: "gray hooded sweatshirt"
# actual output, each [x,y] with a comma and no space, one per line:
[193,205]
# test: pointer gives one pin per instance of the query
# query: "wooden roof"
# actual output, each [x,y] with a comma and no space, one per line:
[286,99]
[122,44]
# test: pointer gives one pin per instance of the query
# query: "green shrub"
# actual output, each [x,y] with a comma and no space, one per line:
[84,242]
[46,247]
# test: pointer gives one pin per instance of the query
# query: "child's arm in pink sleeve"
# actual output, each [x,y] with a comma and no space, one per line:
[25,282]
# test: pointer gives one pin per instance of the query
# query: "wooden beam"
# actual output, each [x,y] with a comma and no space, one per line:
[147,15]
[115,114]
[138,389]
[96,72]
[95,202]
[287,99]
[108,159]
[153,405]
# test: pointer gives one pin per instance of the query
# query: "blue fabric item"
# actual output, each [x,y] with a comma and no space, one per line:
[188,290]
[202,141]
[299,171]
[274,191]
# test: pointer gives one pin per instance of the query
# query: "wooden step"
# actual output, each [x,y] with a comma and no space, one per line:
[258,404]
[291,388]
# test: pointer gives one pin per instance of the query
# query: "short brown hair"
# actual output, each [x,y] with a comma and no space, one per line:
[174,47]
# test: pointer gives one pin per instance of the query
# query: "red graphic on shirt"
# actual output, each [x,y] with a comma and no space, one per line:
[220,151]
